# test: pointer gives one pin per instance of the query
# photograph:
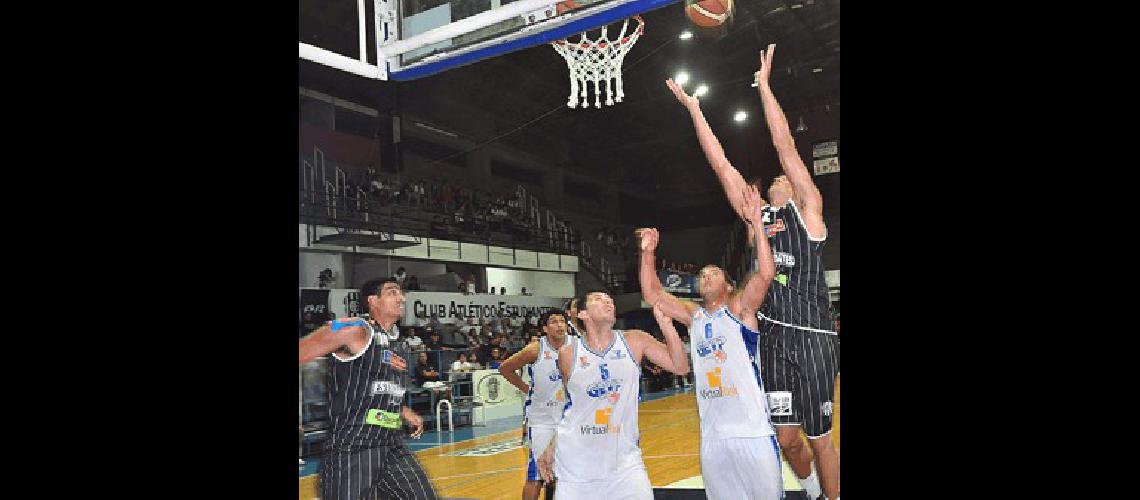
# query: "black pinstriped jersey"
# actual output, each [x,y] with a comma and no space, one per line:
[798,295]
[366,394]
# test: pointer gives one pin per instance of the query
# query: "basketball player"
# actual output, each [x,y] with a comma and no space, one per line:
[366,457]
[596,451]
[798,352]
[545,398]
[739,454]
[573,324]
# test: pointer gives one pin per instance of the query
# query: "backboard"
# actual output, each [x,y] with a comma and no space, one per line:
[418,38]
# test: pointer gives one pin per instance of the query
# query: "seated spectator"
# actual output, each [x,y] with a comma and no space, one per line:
[473,360]
[497,357]
[413,339]
[435,344]
[461,365]
[425,370]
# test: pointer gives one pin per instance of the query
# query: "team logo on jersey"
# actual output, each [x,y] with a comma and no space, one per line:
[780,404]
[776,227]
[386,387]
[583,362]
[716,389]
[784,259]
[605,386]
[546,355]
[782,279]
[713,347]
[601,423]
[617,355]
[826,408]
[555,375]
[383,418]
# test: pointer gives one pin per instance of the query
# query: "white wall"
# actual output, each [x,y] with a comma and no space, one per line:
[545,284]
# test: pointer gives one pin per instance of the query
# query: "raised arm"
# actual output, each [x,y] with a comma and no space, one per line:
[752,295]
[670,355]
[790,160]
[509,368]
[325,340]
[651,289]
[730,179]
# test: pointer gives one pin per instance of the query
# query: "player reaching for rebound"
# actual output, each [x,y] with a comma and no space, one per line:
[739,454]
[799,353]
[545,397]
[596,450]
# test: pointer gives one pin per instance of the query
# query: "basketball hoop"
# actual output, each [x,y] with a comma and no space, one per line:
[595,61]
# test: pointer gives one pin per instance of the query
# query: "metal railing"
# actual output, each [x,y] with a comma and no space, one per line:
[528,225]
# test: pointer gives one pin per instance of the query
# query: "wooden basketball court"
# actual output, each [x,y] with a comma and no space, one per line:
[670,444]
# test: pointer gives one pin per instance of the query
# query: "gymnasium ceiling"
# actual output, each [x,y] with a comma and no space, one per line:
[645,143]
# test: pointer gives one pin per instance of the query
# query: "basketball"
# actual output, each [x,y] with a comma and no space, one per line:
[708,13]
[566,6]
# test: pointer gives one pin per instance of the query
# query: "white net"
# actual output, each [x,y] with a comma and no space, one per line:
[596,62]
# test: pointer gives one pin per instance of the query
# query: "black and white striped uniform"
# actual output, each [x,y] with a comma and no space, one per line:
[366,457]
[799,351]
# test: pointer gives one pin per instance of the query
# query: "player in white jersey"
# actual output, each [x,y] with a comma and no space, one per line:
[740,457]
[545,396]
[596,451]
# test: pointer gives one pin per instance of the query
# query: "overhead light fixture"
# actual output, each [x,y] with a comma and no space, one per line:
[741,116]
[685,35]
[702,89]
[436,130]
[801,127]
[817,70]
[797,6]
[681,78]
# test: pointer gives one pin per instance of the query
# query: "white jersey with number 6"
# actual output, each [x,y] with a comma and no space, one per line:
[730,396]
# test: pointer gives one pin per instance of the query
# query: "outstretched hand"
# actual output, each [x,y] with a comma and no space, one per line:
[762,76]
[649,238]
[686,99]
[662,318]
[753,206]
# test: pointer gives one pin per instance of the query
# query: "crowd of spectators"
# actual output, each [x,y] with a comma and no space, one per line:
[479,343]
[454,211]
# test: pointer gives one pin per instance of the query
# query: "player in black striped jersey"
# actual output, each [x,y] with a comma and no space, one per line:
[366,456]
[799,352]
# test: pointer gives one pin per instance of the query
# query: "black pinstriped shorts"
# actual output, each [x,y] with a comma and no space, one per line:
[798,368]
[378,473]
